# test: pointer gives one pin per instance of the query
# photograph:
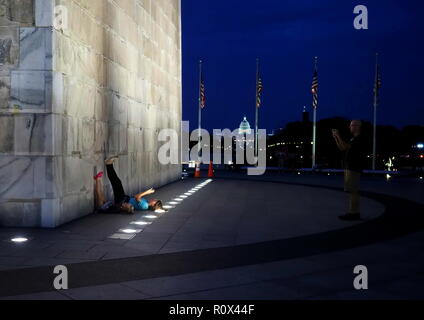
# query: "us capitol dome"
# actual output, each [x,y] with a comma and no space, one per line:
[245,127]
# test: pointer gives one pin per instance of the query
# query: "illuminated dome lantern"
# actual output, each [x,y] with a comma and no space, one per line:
[245,127]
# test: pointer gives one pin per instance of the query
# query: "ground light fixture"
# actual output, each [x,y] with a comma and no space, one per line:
[129,231]
[178,199]
[160,211]
[150,217]
[141,223]
[19,240]
[173,203]
[183,197]
[168,207]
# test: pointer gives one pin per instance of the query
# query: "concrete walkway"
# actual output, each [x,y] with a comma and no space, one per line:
[285,228]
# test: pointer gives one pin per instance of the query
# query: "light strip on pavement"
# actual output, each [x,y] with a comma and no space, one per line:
[19,240]
[141,223]
[129,231]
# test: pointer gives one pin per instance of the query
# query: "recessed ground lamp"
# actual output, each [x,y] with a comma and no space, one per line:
[168,207]
[150,217]
[141,223]
[19,240]
[129,231]
[160,211]
[183,197]
[188,194]
[178,199]
[173,203]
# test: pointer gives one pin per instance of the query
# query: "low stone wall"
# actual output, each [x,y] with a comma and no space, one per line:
[102,78]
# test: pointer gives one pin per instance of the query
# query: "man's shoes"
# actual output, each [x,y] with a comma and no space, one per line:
[351,217]
[111,160]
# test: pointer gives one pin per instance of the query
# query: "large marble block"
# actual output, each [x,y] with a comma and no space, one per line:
[31,90]
[44,10]
[36,49]
[20,213]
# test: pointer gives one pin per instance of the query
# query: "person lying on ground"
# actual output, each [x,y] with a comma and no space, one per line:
[122,202]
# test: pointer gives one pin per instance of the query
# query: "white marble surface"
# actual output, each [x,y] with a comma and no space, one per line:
[104,86]
[35,49]
[44,13]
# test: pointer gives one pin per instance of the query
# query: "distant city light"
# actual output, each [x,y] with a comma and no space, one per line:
[19,240]
[420,145]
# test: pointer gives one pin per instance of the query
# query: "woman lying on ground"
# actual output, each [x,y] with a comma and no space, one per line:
[122,202]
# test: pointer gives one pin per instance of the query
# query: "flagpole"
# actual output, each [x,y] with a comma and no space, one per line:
[374,147]
[200,109]
[257,110]
[314,143]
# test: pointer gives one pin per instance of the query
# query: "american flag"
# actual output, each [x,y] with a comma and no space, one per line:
[259,93]
[315,89]
[202,94]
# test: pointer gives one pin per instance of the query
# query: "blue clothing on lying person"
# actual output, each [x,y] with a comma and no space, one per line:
[141,205]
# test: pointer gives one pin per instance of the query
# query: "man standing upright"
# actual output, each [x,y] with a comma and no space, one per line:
[354,163]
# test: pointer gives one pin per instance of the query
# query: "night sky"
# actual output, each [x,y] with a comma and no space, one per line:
[286,35]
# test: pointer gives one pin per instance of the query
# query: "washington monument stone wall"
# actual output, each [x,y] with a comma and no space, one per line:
[80,80]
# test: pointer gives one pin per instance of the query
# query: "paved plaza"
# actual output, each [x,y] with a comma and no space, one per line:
[232,237]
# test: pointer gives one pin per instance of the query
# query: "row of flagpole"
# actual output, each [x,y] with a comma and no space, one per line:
[315,86]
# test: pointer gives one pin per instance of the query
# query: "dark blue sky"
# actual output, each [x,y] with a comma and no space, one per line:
[286,35]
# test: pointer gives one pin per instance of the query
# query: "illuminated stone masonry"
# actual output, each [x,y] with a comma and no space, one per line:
[81,80]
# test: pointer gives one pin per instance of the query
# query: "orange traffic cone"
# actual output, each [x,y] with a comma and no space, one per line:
[210,173]
[197,172]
